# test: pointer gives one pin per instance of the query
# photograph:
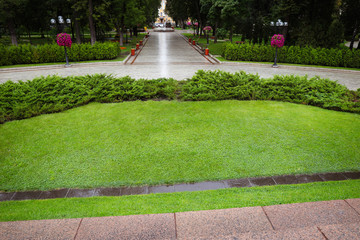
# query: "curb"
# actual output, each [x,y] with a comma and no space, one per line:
[200,186]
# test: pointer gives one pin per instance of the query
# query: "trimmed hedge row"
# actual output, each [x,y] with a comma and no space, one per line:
[293,54]
[54,94]
[27,54]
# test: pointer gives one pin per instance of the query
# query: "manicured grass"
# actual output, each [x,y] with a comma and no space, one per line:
[149,143]
[177,202]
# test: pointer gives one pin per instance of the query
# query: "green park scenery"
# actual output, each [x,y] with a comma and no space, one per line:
[117,135]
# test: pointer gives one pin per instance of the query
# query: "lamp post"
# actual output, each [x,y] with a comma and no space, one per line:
[61,23]
[277,40]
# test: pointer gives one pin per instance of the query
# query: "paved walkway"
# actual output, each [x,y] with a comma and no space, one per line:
[169,55]
[339,219]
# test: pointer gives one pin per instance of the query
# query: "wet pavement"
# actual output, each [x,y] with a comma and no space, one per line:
[338,219]
[168,54]
[200,186]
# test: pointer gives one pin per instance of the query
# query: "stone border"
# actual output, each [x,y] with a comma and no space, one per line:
[201,186]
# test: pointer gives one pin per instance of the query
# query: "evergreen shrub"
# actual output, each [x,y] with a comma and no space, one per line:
[28,54]
[293,54]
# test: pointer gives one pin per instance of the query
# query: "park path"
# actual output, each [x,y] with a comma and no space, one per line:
[168,55]
[337,219]
[164,48]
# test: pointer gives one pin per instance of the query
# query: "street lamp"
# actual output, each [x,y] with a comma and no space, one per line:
[277,41]
[61,23]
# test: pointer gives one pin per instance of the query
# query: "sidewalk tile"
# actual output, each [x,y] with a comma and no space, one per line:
[352,175]
[332,176]
[287,179]
[6,196]
[199,186]
[293,234]
[161,189]
[300,215]
[355,203]
[215,223]
[238,183]
[266,181]
[308,178]
[107,192]
[80,193]
[39,229]
[156,226]
[342,231]
[61,193]
[134,190]
[26,195]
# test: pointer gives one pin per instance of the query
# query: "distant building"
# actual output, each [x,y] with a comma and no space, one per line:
[163,17]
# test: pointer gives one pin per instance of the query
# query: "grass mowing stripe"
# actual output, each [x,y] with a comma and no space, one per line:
[151,143]
[177,202]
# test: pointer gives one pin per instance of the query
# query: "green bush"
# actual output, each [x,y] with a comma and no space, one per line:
[54,93]
[28,54]
[293,54]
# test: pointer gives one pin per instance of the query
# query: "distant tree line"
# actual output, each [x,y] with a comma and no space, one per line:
[98,16]
[316,23]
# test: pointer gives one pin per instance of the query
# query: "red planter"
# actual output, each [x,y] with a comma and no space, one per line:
[137,46]
[194,43]
[207,52]
[132,52]
[189,40]
[141,42]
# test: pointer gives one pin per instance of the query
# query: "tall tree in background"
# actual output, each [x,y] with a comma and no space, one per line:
[10,13]
[351,18]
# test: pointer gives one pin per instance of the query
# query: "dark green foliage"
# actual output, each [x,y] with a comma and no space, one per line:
[294,54]
[27,54]
[54,94]
[319,92]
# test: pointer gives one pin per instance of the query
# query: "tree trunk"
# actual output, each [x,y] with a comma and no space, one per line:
[354,35]
[91,23]
[121,33]
[77,29]
[12,31]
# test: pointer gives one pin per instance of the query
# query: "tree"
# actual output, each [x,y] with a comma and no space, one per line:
[10,12]
[351,18]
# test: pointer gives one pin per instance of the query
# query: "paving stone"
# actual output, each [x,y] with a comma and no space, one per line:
[217,223]
[355,203]
[352,175]
[199,186]
[6,196]
[266,181]
[80,193]
[341,231]
[293,234]
[107,192]
[156,226]
[61,193]
[332,176]
[238,183]
[134,190]
[161,189]
[26,195]
[308,178]
[286,179]
[39,229]
[301,215]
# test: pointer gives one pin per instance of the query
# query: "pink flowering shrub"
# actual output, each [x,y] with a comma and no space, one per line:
[207,28]
[277,40]
[196,24]
[63,39]
[188,23]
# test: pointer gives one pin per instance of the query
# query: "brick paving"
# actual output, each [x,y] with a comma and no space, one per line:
[336,219]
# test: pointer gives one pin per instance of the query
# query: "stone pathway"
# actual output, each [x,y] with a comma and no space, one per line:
[200,186]
[339,219]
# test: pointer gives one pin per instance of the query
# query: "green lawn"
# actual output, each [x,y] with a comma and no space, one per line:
[149,143]
[177,202]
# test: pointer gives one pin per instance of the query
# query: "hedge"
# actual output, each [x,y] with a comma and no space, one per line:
[54,93]
[293,54]
[27,54]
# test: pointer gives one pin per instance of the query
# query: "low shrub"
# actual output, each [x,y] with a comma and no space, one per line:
[293,54]
[28,54]
[54,93]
